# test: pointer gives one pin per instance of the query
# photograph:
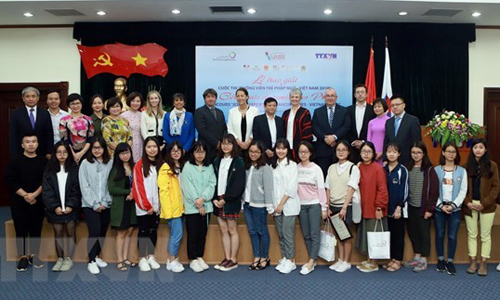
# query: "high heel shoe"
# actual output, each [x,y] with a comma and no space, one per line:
[261,266]
[254,266]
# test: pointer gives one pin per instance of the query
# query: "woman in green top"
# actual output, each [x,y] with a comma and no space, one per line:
[97,104]
[122,211]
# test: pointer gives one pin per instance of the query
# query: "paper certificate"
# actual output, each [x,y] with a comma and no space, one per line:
[340,227]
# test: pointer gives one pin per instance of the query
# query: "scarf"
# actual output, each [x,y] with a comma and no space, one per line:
[176,123]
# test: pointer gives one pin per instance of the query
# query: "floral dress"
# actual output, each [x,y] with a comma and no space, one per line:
[134,120]
[76,131]
[116,131]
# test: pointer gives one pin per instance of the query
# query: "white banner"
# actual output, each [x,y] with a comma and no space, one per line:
[271,71]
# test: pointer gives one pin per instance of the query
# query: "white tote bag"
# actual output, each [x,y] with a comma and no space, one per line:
[379,243]
[327,243]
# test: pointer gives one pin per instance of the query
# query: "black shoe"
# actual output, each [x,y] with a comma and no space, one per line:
[254,266]
[440,266]
[261,265]
[23,264]
[36,262]
[450,268]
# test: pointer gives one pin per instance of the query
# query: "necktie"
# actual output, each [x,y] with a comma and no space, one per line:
[32,118]
[214,113]
[397,122]
[330,118]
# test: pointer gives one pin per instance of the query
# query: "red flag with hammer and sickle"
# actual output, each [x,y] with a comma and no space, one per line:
[120,59]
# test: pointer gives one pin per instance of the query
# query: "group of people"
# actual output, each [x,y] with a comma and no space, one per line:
[130,169]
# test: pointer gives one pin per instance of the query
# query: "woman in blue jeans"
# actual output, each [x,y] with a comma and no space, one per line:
[258,202]
[452,192]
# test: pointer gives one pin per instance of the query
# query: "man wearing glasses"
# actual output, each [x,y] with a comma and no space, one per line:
[402,128]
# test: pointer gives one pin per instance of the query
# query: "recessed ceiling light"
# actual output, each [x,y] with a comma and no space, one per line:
[251,11]
[101,13]
[176,11]
[28,14]
[403,13]
[328,11]
[476,14]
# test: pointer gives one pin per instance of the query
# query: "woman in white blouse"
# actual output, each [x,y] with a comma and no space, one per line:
[152,118]
[240,120]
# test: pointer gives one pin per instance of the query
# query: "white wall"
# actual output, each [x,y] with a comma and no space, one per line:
[50,54]
[39,55]
[484,69]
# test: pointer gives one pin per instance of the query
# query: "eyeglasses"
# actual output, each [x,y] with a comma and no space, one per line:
[227,144]
[125,153]
[75,103]
[61,153]
[200,152]
[97,148]
[451,152]
[366,152]
[417,153]
[341,150]
[178,151]
[302,152]
[254,152]
[396,104]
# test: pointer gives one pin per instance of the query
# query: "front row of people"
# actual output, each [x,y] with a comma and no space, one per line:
[118,192]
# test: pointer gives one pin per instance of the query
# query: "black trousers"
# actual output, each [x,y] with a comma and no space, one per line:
[28,222]
[397,229]
[97,224]
[197,228]
[148,234]
[419,230]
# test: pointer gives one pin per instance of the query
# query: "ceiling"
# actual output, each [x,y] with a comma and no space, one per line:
[11,12]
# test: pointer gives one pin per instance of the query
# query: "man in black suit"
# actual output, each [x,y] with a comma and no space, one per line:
[31,119]
[268,127]
[360,114]
[210,122]
[330,123]
[402,128]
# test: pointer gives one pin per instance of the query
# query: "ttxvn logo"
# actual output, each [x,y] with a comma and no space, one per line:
[326,55]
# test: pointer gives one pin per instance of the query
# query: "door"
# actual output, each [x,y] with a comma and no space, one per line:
[492,121]
[10,100]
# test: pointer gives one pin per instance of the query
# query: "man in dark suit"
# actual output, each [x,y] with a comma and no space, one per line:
[360,114]
[210,122]
[402,128]
[31,118]
[330,123]
[268,127]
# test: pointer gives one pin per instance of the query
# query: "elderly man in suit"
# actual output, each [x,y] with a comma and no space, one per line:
[360,114]
[330,123]
[31,118]
[210,122]
[268,127]
[402,128]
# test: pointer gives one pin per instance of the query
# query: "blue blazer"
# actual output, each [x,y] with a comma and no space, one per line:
[186,138]
[321,127]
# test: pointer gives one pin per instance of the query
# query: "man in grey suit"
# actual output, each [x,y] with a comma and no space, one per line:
[210,122]
[402,128]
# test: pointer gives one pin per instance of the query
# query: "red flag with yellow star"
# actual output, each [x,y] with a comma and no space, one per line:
[121,59]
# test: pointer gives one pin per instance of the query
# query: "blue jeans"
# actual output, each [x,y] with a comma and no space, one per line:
[174,241]
[441,221]
[256,218]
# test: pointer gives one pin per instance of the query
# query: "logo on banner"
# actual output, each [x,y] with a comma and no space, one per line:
[326,55]
[230,57]
[275,56]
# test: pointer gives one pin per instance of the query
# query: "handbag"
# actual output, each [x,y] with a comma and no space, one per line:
[379,243]
[327,243]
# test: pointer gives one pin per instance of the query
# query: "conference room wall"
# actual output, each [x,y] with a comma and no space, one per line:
[49,54]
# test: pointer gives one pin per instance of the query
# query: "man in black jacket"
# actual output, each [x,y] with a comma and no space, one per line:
[268,127]
[360,114]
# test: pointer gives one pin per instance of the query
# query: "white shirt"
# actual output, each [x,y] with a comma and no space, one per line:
[55,123]
[62,176]
[289,132]
[246,194]
[285,179]
[151,188]
[272,129]
[225,163]
[360,114]
[448,187]
[34,111]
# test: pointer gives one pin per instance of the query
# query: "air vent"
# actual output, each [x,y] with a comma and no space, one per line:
[226,9]
[64,12]
[441,12]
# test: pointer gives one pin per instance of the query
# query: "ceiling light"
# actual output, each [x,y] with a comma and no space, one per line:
[403,13]
[176,11]
[28,14]
[251,11]
[101,13]
[328,11]
[476,14]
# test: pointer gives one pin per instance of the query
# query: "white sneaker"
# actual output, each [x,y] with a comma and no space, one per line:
[195,266]
[288,266]
[58,265]
[344,266]
[175,266]
[305,270]
[100,263]
[153,263]
[144,265]
[498,267]
[280,264]
[336,265]
[67,265]
[93,268]
[202,263]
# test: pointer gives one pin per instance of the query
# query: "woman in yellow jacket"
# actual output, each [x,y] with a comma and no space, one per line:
[171,205]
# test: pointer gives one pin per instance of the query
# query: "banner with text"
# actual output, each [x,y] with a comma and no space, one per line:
[271,71]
